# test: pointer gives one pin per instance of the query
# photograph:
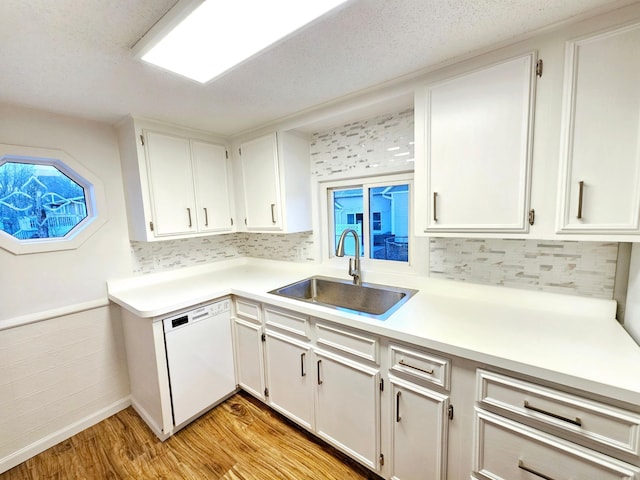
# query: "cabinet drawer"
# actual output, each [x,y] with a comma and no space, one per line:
[419,365]
[580,419]
[289,321]
[353,342]
[248,310]
[508,450]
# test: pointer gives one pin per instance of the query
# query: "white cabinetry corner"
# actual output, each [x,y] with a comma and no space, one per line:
[276,177]
[177,182]
[248,349]
[473,137]
[600,155]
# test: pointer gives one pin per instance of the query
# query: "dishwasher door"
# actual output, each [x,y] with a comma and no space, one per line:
[200,359]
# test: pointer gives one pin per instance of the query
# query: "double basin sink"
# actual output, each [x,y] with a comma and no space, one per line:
[371,300]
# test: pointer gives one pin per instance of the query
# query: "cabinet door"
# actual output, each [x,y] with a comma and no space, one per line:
[212,186]
[420,426]
[261,183]
[477,150]
[601,151]
[171,184]
[289,380]
[347,406]
[249,357]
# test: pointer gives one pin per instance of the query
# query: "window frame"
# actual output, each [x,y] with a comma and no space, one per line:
[94,198]
[326,219]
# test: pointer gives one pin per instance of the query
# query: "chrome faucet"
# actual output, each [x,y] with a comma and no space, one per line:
[354,269]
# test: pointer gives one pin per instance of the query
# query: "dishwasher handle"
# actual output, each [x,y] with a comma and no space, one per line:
[176,322]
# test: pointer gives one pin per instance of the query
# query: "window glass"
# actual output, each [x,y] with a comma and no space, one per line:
[348,212]
[382,221]
[389,207]
[39,201]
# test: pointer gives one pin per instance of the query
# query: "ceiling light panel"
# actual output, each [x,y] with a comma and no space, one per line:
[220,34]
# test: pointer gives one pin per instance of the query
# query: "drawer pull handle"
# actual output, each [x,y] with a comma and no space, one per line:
[273,213]
[189,213]
[435,208]
[398,417]
[428,372]
[206,217]
[302,358]
[319,379]
[580,195]
[575,421]
[522,466]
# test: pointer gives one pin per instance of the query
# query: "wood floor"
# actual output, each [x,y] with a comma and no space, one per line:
[241,439]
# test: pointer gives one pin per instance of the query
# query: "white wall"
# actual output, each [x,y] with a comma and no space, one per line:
[61,346]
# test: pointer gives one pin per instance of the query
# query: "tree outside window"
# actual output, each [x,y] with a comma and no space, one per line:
[39,201]
[48,200]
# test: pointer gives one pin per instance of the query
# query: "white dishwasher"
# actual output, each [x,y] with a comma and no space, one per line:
[200,359]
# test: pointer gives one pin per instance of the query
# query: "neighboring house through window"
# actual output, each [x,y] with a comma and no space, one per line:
[48,201]
[377,209]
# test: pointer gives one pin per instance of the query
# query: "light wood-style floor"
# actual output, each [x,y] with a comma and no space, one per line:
[241,439]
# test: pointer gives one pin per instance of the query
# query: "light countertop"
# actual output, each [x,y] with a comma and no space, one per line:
[574,341]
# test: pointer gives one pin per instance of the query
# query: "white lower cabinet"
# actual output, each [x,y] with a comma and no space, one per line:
[348,407]
[248,349]
[525,430]
[389,406]
[289,379]
[509,450]
[419,432]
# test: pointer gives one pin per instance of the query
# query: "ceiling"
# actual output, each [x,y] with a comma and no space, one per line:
[73,57]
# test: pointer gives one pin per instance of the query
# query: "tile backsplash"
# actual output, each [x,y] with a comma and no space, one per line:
[578,268]
[172,254]
[381,145]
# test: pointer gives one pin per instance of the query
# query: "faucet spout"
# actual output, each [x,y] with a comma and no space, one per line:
[354,267]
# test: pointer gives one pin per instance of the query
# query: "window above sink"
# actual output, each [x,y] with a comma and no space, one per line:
[378,209]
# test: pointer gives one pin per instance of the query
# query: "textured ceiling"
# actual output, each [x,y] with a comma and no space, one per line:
[73,56]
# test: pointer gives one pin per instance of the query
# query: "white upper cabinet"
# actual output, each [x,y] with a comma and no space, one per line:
[170,184]
[600,159]
[177,183]
[473,150]
[211,176]
[276,171]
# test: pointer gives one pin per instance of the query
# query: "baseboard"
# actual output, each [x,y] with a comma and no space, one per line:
[148,419]
[49,441]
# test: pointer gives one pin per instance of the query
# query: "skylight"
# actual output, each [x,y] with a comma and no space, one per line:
[219,35]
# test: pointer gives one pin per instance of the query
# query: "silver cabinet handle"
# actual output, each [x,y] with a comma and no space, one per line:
[398,417]
[580,195]
[435,210]
[522,466]
[319,379]
[572,421]
[302,358]
[273,213]
[206,217]
[189,213]
[428,372]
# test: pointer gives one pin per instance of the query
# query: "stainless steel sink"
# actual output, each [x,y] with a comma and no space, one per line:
[377,301]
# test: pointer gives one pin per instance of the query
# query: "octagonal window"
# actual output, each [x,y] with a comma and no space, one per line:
[48,201]
[39,201]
